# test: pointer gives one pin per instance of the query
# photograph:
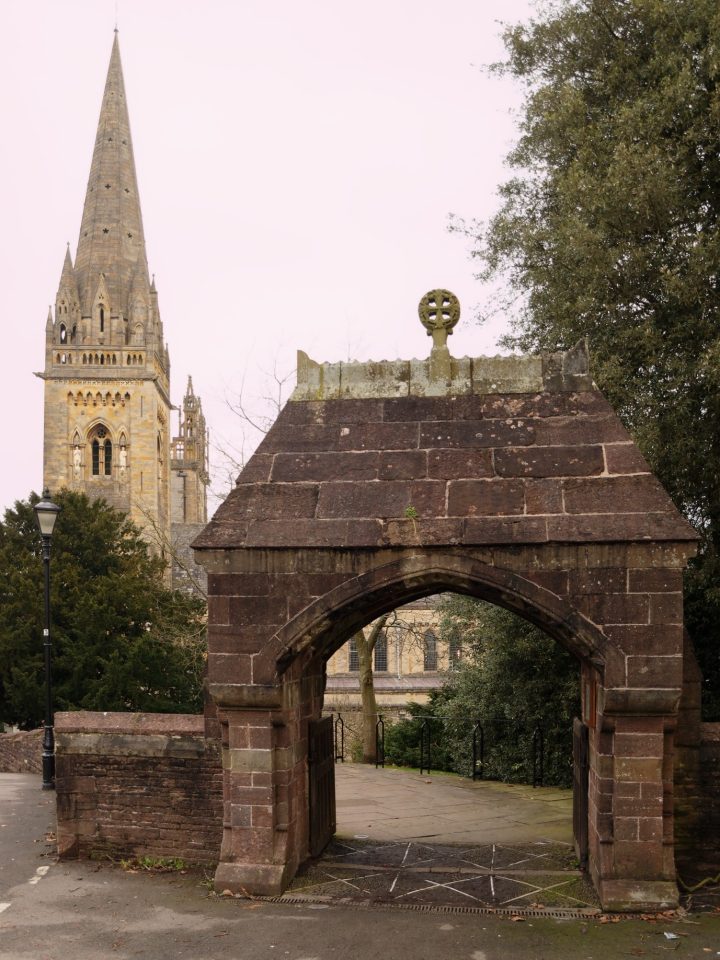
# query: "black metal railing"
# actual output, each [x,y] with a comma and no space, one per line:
[481,741]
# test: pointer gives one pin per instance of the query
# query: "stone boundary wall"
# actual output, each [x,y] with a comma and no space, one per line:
[137,785]
[21,752]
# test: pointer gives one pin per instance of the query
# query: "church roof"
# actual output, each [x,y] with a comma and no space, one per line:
[531,455]
[111,240]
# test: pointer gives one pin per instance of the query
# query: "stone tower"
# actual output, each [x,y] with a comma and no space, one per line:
[107,367]
[189,466]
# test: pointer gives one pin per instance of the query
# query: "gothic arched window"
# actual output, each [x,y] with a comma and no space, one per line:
[63,333]
[353,658]
[381,657]
[102,319]
[430,651]
[100,452]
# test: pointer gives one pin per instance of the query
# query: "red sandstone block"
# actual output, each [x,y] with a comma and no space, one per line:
[378,436]
[251,795]
[239,736]
[599,580]
[638,769]
[639,744]
[218,610]
[423,408]
[256,470]
[529,405]
[244,639]
[638,494]
[332,411]
[651,828]
[239,584]
[262,816]
[315,533]
[253,844]
[537,461]
[654,671]
[263,779]
[625,458]
[406,533]
[455,464]
[467,498]
[638,639]
[616,608]
[655,581]
[666,608]
[257,610]
[626,828]
[477,433]
[261,738]
[229,668]
[240,816]
[399,465]
[638,860]
[491,530]
[386,499]
[554,580]
[580,430]
[355,465]
[272,500]
[543,497]
[611,527]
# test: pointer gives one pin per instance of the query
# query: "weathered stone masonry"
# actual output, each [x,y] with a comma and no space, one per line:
[137,784]
[509,479]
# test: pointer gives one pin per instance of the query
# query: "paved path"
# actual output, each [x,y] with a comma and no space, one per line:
[395,804]
[89,911]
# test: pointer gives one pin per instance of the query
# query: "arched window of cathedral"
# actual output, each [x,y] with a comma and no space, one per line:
[63,358]
[63,333]
[102,319]
[101,451]
[128,360]
[381,657]
[353,657]
[114,359]
[102,358]
[430,651]
[84,358]
[73,333]
[57,358]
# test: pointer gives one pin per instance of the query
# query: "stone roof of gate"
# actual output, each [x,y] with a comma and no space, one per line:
[503,450]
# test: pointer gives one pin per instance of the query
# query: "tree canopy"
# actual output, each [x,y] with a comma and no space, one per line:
[121,639]
[610,229]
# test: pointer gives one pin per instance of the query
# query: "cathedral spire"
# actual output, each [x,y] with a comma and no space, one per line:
[111,240]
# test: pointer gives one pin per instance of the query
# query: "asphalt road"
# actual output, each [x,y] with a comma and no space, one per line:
[92,911]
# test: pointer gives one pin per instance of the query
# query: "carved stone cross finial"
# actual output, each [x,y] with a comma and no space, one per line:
[439,312]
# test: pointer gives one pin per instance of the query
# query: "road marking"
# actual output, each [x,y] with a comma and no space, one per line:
[4,906]
[39,874]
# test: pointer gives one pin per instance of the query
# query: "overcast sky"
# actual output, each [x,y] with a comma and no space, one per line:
[297,163]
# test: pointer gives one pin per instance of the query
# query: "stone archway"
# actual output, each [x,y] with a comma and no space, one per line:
[507,478]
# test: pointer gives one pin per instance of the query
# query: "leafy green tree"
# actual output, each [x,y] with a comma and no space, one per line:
[121,639]
[610,229]
[513,678]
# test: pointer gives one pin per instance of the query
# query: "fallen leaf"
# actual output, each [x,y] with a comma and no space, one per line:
[517,919]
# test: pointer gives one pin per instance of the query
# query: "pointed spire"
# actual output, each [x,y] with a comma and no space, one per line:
[68,274]
[111,234]
[49,321]
[189,392]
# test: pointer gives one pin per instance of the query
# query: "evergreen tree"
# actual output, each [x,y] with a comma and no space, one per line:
[610,229]
[121,639]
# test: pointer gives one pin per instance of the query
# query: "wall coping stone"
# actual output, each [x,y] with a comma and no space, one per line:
[167,724]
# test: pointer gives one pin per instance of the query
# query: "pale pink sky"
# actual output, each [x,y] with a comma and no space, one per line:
[297,163]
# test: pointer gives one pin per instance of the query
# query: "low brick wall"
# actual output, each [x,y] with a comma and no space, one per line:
[21,752]
[137,784]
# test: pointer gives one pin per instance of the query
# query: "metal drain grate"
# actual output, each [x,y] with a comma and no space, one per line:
[556,913]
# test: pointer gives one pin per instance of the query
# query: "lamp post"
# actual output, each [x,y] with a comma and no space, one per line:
[46,514]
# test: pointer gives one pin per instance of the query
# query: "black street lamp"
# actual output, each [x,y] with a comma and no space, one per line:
[46,514]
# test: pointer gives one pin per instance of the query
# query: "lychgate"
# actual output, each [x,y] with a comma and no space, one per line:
[506,478]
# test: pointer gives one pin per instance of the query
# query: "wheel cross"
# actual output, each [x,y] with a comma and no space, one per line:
[439,311]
